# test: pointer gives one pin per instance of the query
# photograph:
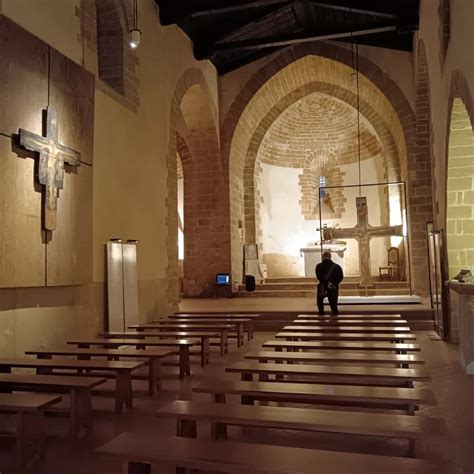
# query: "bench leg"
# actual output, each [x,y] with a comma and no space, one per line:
[225,336]
[184,364]
[240,335]
[219,397]
[246,377]
[412,448]
[154,375]
[81,412]
[123,390]
[186,428]
[136,468]
[205,349]
[218,431]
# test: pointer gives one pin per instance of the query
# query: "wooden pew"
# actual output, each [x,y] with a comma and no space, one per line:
[79,389]
[139,451]
[332,374]
[344,317]
[221,317]
[204,336]
[153,358]
[337,357]
[121,371]
[188,414]
[338,345]
[182,344]
[406,399]
[198,325]
[344,329]
[28,409]
[345,337]
[349,322]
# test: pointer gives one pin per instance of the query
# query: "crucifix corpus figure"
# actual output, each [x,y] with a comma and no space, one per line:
[52,156]
[363,232]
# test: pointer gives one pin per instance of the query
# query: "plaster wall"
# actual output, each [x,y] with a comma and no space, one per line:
[129,179]
[284,230]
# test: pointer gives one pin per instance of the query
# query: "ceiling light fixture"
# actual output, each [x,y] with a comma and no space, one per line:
[135,33]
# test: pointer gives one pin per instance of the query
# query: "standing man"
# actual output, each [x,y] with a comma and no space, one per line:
[329,275]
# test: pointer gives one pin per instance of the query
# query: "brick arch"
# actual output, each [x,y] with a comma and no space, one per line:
[116,61]
[390,91]
[421,171]
[458,89]
[202,171]
[348,97]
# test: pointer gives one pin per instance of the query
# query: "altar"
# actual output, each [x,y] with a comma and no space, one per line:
[312,255]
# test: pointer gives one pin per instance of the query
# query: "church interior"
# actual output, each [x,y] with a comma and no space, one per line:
[171,173]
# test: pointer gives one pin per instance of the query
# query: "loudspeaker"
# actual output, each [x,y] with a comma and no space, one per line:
[249,283]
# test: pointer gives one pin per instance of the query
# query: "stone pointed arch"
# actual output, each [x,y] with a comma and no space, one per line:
[199,148]
[390,90]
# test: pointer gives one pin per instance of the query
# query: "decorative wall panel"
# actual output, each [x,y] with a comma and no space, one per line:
[33,76]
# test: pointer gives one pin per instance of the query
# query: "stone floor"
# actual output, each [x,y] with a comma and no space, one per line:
[454,392]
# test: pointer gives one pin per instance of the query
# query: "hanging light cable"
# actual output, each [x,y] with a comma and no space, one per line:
[358,117]
[355,78]
[135,33]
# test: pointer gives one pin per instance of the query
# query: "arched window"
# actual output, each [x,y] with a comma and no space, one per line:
[117,63]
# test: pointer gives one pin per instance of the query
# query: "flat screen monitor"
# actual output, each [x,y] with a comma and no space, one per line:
[223,279]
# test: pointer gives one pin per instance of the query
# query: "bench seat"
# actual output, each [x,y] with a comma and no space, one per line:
[352,336]
[338,374]
[335,356]
[138,451]
[406,399]
[79,389]
[183,345]
[350,322]
[340,345]
[28,409]
[343,329]
[301,419]
[152,356]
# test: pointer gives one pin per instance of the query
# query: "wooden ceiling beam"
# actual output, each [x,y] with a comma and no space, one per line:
[238,6]
[287,40]
[360,11]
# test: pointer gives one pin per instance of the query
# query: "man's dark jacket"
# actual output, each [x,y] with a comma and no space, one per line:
[328,271]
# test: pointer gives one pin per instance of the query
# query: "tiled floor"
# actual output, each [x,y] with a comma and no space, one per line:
[454,392]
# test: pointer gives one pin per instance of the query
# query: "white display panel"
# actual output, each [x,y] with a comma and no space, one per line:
[115,289]
[130,284]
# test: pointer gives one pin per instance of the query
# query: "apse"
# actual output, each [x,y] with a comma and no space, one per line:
[313,143]
[316,123]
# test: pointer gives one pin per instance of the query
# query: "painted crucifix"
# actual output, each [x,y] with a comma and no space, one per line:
[363,232]
[52,156]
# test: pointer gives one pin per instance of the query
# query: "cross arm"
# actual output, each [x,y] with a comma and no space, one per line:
[70,156]
[33,142]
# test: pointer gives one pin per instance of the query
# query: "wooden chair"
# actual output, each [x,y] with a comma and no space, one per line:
[392,270]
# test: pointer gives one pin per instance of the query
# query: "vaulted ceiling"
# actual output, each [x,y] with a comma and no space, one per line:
[232,33]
